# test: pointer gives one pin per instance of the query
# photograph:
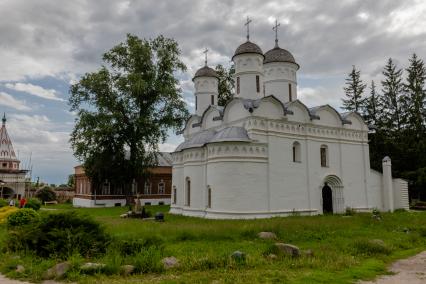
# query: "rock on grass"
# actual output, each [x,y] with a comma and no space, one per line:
[288,249]
[170,262]
[267,236]
[57,271]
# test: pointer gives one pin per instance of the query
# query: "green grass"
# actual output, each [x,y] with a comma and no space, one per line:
[343,248]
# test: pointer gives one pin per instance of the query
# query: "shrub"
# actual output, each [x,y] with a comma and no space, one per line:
[371,247]
[5,212]
[3,203]
[133,246]
[148,260]
[46,194]
[22,217]
[60,235]
[33,203]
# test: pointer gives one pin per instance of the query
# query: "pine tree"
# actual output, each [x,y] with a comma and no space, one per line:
[415,96]
[392,97]
[353,91]
[371,107]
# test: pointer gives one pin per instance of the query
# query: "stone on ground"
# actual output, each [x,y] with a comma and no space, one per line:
[170,262]
[20,269]
[272,256]
[127,269]
[267,236]
[288,249]
[89,266]
[308,252]
[238,255]
[58,270]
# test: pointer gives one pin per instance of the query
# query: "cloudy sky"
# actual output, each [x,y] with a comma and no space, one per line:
[46,45]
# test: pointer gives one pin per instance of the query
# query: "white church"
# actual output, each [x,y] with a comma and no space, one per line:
[265,153]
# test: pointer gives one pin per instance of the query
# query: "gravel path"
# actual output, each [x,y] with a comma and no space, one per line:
[4,280]
[408,271]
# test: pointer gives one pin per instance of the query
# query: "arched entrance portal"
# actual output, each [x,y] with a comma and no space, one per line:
[332,195]
[6,192]
[327,199]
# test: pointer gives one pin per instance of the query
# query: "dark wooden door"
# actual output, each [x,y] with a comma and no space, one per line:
[327,200]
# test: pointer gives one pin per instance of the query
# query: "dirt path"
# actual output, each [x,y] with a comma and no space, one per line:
[408,271]
[4,280]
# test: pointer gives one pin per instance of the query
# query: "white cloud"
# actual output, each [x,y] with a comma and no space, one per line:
[167,147]
[9,101]
[35,90]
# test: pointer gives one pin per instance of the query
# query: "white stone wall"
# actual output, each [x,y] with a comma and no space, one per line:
[205,87]
[277,78]
[247,67]
[82,202]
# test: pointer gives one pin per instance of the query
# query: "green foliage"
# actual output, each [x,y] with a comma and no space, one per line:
[353,91]
[148,260]
[371,247]
[46,194]
[3,203]
[126,109]
[60,235]
[226,83]
[350,211]
[130,246]
[33,203]
[22,217]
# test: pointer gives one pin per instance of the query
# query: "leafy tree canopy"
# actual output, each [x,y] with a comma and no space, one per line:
[125,109]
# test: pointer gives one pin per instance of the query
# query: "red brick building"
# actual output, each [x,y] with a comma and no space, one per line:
[153,190]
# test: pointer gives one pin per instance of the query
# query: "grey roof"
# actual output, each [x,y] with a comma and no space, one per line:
[164,159]
[248,47]
[205,71]
[233,133]
[278,54]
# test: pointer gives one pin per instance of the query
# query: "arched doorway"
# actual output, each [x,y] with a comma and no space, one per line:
[327,199]
[332,195]
[7,193]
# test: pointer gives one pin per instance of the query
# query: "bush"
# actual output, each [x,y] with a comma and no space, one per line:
[33,203]
[22,217]
[46,194]
[3,203]
[5,212]
[60,235]
[371,247]
[134,246]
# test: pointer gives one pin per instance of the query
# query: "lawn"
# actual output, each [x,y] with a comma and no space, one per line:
[341,246]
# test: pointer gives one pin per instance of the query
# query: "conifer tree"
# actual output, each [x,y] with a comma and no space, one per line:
[371,107]
[392,97]
[415,96]
[353,91]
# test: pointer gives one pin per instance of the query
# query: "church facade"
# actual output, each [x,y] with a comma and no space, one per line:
[265,153]
[12,177]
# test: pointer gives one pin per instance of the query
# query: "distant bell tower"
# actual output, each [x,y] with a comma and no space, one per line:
[248,62]
[280,70]
[206,83]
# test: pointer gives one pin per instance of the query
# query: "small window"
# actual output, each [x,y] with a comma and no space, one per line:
[324,156]
[209,197]
[296,152]
[161,187]
[257,84]
[174,194]
[161,203]
[188,192]
[196,102]
[238,85]
[290,97]
[147,188]
[212,99]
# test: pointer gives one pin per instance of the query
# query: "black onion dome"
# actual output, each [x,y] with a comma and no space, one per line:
[205,71]
[248,47]
[278,54]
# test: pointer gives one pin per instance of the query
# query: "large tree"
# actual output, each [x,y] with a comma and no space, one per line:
[415,96]
[371,107]
[392,97]
[125,109]
[226,83]
[353,90]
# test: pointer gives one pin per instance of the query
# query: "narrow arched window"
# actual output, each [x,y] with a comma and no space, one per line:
[196,102]
[188,192]
[257,84]
[290,97]
[324,155]
[212,99]
[296,152]
[209,197]
[161,187]
[238,85]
